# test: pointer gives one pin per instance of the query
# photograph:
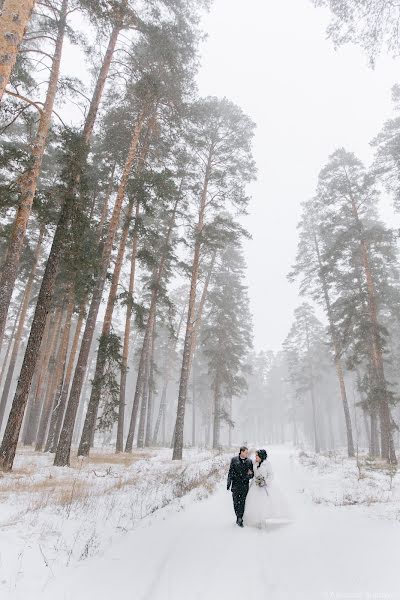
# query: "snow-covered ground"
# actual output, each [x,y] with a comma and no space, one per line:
[192,550]
[54,518]
[371,485]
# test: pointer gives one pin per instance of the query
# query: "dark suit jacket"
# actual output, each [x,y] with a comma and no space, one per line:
[238,475]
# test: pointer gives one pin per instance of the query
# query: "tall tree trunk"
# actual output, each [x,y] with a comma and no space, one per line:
[28,182]
[161,411]
[190,323]
[82,403]
[217,414]
[151,383]
[144,405]
[21,323]
[337,352]
[193,407]
[101,80]
[166,379]
[127,332]
[51,388]
[11,340]
[374,448]
[67,380]
[60,374]
[312,394]
[32,412]
[14,18]
[62,456]
[11,435]
[44,387]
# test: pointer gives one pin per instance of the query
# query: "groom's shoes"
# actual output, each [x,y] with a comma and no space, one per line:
[239,522]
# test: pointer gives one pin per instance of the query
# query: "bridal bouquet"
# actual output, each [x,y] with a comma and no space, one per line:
[260,480]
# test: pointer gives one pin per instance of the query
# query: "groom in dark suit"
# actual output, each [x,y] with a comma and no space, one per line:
[240,473]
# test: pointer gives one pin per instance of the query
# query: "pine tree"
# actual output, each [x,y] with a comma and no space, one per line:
[359,248]
[317,282]
[226,335]
[220,136]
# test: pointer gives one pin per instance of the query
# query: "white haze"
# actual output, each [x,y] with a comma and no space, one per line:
[273,59]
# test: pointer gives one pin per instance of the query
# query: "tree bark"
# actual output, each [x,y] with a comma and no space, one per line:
[29,181]
[14,18]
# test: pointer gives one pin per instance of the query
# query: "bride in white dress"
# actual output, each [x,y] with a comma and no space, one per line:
[264,502]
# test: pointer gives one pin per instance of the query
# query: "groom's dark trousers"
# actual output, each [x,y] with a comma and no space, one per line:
[240,472]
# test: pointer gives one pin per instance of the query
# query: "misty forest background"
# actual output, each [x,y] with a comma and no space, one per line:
[124,311]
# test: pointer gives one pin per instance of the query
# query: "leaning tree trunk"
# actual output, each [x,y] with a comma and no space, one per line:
[14,18]
[20,329]
[64,446]
[337,353]
[190,323]
[29,180]
[10,439]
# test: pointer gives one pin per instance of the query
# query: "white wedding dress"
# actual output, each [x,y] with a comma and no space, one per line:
[264,504]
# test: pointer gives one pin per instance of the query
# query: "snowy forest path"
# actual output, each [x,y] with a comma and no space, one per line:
[199,553]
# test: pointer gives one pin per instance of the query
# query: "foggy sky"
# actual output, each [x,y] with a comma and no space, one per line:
[273,59]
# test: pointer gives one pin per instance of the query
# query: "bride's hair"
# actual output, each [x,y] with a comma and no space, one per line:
[263,455]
